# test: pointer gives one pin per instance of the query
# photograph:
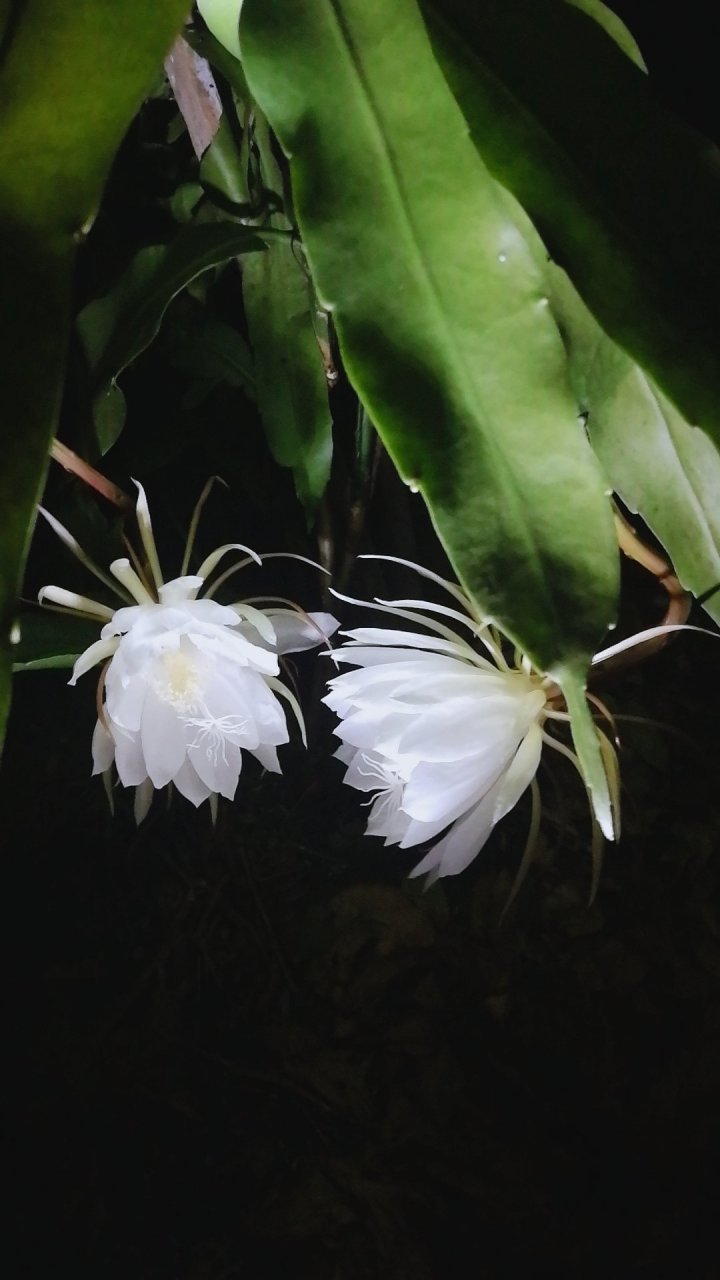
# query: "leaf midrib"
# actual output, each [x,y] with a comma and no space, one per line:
[429,282]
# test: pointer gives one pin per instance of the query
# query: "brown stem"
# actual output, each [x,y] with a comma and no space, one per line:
[198,100]
[679,600]
[89,476]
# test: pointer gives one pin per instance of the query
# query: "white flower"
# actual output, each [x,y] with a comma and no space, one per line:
[442,732]
[188,684]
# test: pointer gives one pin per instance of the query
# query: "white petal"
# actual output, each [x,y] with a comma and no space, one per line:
[460,729]
[467,836]
[368,770]
[123,619]
[125,698]
[347,754]
[519,774]
[388,820]
[223,643]
[179,590]
[142,511]
[129,758]
[97,652]
[369,655]
[162,738]
[374,729]
[296,632]
[190,785]
[103,749]
[255,621]
[71,600]
[377,668]
[223,717]
[463,842]
[268,711]
[268,758]
[124,572]
[440,793]
[218,765]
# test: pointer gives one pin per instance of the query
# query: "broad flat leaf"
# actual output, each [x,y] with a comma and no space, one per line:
[662,468]
[71,78]
[440,311]
[441,315]
[290,380]
[291,386]
[221,17]
[292,392]
[58,662]
[626,195]
[48,640]
[116,328]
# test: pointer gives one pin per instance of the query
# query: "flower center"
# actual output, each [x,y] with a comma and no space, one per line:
[180,682]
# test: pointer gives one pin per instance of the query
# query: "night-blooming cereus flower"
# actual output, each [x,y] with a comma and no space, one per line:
[187,684]
[441,731]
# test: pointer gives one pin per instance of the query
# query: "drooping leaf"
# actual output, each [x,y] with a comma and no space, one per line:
[439,309]
[116,328]
[441,315]
[71,77]
[627,197]
[663,469]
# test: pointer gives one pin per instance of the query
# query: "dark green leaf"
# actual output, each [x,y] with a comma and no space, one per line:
[439,310]
[48,639]
[626,195]
[222,18]
[290,377]
[662,468]
[115,329]
[71,77]
[441,315]
[292,391]
[60,662]
[221,171]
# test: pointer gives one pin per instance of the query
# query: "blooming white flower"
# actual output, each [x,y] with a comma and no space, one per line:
[187,684]
[441,731]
